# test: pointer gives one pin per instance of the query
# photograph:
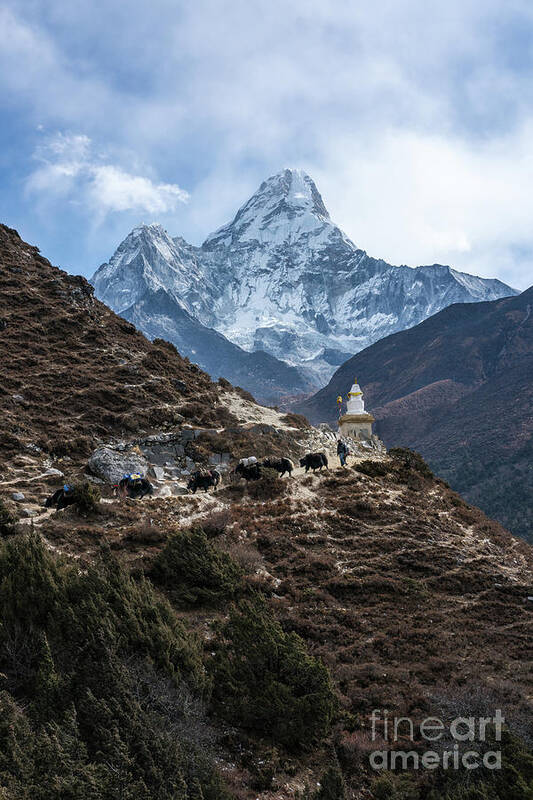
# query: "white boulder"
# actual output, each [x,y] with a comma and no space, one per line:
[111,465]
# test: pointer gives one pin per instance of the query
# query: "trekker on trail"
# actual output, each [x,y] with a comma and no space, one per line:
[342,452]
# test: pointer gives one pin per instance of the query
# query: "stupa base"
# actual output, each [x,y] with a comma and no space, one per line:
[358,426]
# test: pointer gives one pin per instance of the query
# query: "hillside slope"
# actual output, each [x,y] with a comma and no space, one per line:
[414,601]
[228,645]
[458,388]
[72,370]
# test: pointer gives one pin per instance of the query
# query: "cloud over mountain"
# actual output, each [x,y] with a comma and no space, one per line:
[70,167]
[421,112]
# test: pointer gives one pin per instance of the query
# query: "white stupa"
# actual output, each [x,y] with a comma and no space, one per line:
[356,422]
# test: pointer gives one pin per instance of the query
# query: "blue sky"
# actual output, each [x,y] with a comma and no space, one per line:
[414,118]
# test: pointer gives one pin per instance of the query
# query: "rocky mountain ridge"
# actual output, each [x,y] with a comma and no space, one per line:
[156,283]
[282,278]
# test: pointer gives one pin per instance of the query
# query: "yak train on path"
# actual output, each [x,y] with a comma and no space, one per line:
[354,437]
[135,486]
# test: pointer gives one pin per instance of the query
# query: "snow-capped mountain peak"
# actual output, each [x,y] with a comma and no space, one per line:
[292,190]
[284,207]
[148,259]
[283,278]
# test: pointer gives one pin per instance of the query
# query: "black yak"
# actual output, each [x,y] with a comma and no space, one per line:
[314,461]
[62,498]
[134,486]
[203,480]
[281,465]
[251,472]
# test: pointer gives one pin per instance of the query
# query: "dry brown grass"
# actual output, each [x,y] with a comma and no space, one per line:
[245,554]
[386,585]
[88,373]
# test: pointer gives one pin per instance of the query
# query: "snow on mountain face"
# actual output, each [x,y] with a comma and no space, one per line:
[284,208]
[283,278]
[292,283]
[156,283]
[148,259]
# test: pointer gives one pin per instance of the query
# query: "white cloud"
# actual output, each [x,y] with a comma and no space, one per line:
[70,168]
[37,75]
[420,199]
[113,189]
[413,117]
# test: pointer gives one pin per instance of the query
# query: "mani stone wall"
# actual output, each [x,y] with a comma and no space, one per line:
[162,456]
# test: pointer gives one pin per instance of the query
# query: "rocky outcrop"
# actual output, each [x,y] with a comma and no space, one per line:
[110,465]
[162,456]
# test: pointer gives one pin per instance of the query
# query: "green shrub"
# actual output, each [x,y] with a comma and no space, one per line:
[332,785]
[263,768]
[216,523]
[42,594]
[264,679]
[193,410]
[193,572]
[374,469]
[390,786]
[96,662]
[87,498]
[514,781]
[7,520]
[410,460]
